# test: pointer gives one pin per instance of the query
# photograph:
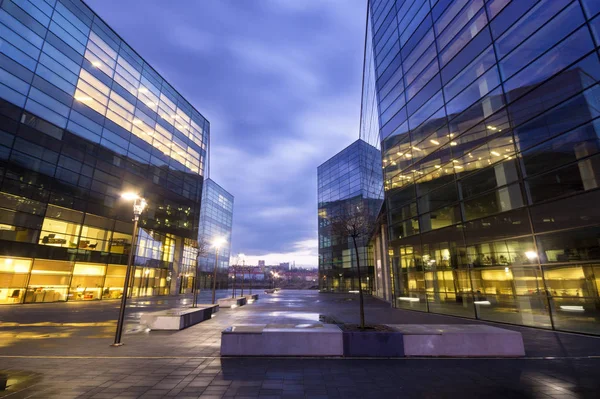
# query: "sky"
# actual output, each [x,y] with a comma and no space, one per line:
[280,83]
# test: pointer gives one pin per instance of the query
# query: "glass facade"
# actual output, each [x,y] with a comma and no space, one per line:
[351,176]
[489,129]
[216,220]
[84,118]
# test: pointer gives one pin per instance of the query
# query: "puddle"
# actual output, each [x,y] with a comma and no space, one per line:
[17,380]
[295,315]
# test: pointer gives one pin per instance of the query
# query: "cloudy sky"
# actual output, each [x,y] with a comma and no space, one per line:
[280,83]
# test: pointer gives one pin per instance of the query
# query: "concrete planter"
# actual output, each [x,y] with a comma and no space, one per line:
[270,291]
[232,302]
[178,319]
[460,340]
[373,343]
[251,297]
[282,340]
[393,341]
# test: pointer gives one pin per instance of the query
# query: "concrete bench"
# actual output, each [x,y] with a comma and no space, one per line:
[282,340]
[251,297]
[178,318]
[232,302]
[270,291]
[461,340]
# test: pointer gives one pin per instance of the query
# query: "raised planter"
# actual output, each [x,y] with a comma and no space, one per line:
[270,291]
[179,318]
[251,297]
[394,340]
[460,340]
[282,340]
[232,302]
[379,342]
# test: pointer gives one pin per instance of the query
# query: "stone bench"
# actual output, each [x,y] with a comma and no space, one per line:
[282,340]
[178,318]
[232,302]
[460,340]
[251,297]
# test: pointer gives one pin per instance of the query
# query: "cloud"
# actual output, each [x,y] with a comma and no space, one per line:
[304,253]
[191,38]
[279,80]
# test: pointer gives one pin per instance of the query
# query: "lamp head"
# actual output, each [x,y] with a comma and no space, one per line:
[218,242]
[129,196]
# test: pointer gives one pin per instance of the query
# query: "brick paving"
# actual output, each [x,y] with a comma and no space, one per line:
[62,351]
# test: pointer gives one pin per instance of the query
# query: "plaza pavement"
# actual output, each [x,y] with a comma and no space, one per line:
[62,351]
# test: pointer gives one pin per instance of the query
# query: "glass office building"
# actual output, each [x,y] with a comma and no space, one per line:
[84,118]
[216,221]
[489,130]
[353,176]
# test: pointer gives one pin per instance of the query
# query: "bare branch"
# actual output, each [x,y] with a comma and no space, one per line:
[352,221]
[203,247]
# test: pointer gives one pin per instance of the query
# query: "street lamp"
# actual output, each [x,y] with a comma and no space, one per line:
[217,243]
[139,204]
[243,257]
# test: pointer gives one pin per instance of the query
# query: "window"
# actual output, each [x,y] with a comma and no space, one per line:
[570,246]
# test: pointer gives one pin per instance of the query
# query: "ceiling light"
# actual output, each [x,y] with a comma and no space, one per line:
[408,155]
[434,142]
[531,255]
[453,143]
[495,153]
[417,149]
[492,127]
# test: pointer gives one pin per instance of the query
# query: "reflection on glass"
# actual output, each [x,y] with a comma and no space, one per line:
[511,295]
[574,296]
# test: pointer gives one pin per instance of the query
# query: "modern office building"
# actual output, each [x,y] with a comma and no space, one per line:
[83,118]
[353,176]
[216,221]
[489,130]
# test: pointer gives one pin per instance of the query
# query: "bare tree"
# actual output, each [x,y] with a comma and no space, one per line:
[202,251]
[356,221]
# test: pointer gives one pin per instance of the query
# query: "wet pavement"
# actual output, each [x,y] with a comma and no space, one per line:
[62,350]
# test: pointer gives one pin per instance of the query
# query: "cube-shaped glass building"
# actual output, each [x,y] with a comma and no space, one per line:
[351,178]
[83,118]
[216,221]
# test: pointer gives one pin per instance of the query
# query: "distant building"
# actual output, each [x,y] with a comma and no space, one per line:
[261,263]
[353,176]
[216,220]
[284,266]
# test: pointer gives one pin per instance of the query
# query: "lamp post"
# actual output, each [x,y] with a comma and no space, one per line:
[233,278]
[195,302]
[217,244]
[243,257]
[139,204]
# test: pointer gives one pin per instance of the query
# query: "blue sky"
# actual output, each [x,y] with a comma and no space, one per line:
[280,82]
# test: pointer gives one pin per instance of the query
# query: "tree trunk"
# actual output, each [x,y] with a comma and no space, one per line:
[360,292]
